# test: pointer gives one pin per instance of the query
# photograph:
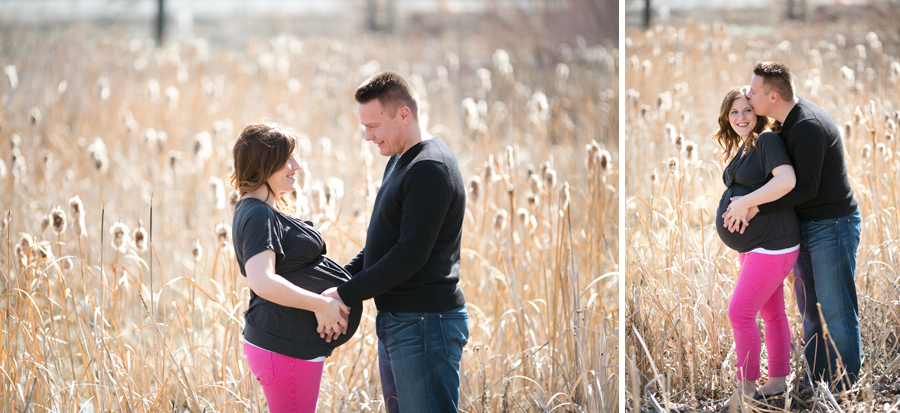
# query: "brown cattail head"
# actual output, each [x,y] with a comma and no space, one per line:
[197,250]
[500,220]
[564,196]
[550,178]
[222,233]
[77,210]
[119,232]
[689,150]
[218,192]
[535,183]
[23,248]
[139,237]
[42,251]
[45,223]
[234,197]
[98,155]
[58,218]
[475,187]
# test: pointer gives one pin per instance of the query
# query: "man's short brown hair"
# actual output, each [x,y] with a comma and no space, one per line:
[391,90]
[776,76]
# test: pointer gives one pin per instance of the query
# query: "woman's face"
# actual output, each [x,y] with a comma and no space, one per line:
[742,117]
[283,180]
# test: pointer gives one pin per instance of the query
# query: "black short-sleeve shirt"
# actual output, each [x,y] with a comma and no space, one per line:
[300,258]
[745,173]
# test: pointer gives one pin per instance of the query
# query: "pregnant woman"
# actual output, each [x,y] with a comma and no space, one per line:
[757,162]
[290,328]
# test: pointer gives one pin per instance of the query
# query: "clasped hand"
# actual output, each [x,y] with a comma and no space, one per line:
[333,319]
[738,215]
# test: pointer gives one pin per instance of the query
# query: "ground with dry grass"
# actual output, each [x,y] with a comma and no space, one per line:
[679,275]
[128,298]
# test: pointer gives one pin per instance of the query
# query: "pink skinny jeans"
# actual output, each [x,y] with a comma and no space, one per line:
[290,385]
[760,289]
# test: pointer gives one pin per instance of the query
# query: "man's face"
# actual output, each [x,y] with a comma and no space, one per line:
[759,99]
[383,130]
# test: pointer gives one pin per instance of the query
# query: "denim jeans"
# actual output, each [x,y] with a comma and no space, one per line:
[824,274]
[419,357]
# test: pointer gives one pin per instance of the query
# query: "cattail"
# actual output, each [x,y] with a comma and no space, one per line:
[489,174]
[654,177]
[34,116]
[201,147]
[119,232]
[9,72]
[550,178]
[218,192]
[234,197]
[65,263]
[500,221]
[303,174]
[23,248]
[885,152]
[866,151]
[670,132]
[484,76]
[102,88]
[19,168]
[197,250]
[510,160]
[58,218]
[522,215]
[664,101]
[172,96]
[895,71]
[139,237]
[2,169]
[222,233]
[689,150]
[539,107]
[679,142]
[4,222]
[334,190]
[42,251]
[77,210]
[848,75]
[97,152]
[535,183]
[473,117]
[672,164]
[564,196]
[534,199]
[475,187]
[45,223]
[848,130]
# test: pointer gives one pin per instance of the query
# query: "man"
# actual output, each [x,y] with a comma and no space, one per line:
[829,219]
[410,263]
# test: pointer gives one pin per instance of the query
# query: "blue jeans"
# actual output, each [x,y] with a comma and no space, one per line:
[824,274]
[419,356]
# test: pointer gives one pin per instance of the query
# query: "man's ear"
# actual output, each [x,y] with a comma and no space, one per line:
[405,113]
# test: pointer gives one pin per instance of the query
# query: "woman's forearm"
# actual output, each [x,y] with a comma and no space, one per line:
[783,180]
[265,283]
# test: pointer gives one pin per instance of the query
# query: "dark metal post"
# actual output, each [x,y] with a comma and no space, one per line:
[160,22]
[646,14]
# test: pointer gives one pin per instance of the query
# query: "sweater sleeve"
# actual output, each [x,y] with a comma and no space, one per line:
[356,264]
[426,198]
[808,147]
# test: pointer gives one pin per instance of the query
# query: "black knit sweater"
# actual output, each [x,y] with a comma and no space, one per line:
[814,143]
[410,262]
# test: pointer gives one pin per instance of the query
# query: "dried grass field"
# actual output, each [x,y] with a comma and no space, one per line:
[118,286]
[679,275]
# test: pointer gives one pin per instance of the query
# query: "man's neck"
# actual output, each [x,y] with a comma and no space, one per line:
[783,110]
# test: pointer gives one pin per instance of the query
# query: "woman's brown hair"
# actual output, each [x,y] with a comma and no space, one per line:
[262,149]
[726,137]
